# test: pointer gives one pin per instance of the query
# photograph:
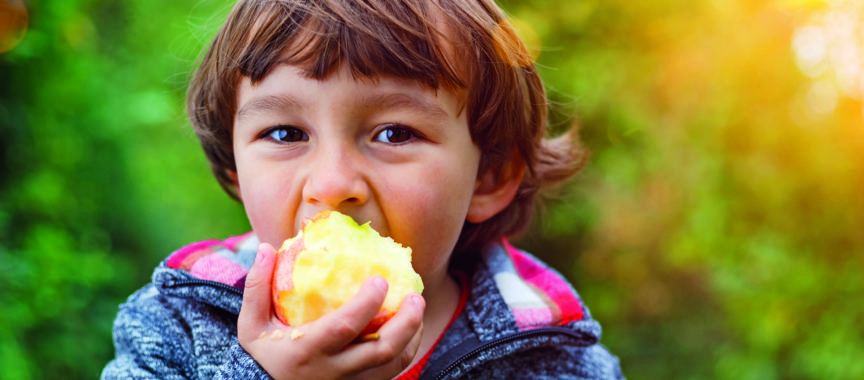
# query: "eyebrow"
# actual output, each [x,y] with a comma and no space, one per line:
[401,100]
[372,102]
[266,103]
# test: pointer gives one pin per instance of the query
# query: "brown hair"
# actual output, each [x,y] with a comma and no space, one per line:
[459,44]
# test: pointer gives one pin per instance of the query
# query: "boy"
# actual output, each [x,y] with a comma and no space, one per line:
[425,118]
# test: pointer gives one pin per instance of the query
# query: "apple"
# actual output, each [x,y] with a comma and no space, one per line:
[326,263]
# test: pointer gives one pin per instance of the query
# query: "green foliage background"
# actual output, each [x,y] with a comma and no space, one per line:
[716,231]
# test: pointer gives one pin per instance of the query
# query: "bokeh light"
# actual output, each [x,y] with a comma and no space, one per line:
[830,50]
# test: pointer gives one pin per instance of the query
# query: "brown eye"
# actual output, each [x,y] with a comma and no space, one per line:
[288,134]
[394,135]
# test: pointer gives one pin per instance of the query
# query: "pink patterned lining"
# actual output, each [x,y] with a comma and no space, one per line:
[231,242]
[548,282]
[215,267]
[210,260]
[180,257]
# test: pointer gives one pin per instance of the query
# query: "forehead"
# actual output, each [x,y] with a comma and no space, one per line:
[415,42]
[288,88]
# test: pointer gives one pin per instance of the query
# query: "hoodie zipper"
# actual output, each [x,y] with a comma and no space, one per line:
[503,340]
[181,283]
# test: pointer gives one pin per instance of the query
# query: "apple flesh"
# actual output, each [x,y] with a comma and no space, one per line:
[326,263]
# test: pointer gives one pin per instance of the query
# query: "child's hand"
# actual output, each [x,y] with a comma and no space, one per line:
[323,349]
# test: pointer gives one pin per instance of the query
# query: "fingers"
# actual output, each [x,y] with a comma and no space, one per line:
[255,313]
[341,326]
[398,341]
[324,347]
[407,324]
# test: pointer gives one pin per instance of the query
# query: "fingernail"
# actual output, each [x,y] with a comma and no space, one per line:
[416,299]
[379,282]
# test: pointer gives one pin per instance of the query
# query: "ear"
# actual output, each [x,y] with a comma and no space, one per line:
[495,190]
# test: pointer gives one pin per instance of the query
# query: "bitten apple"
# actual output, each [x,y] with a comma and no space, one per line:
[326,263]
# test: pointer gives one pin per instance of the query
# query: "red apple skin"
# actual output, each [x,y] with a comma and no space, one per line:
[282,273]
[377,321]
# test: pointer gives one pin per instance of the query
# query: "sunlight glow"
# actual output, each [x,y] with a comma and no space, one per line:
[830,50]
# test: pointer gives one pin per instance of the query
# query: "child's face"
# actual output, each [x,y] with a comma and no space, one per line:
[390,151]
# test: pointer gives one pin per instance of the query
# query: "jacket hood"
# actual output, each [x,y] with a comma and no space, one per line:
[212,271]
[510,290]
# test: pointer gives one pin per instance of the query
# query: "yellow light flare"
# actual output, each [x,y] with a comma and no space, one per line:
[797,4]
[830,50]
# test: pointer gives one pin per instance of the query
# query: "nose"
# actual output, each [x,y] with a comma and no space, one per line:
[334,180]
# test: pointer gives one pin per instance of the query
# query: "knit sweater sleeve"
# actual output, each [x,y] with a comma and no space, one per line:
[149,342]
[156,339]
[240,365]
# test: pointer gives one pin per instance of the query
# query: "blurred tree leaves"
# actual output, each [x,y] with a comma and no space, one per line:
[95,154]
[715,232]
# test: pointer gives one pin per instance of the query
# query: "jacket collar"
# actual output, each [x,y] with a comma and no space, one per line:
[224,261]
[511,290]
[211,271]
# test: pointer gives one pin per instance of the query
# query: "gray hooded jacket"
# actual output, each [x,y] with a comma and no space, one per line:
[521,320]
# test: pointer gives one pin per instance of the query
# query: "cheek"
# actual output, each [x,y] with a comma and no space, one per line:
[266,202]
[437,196]
[431,218]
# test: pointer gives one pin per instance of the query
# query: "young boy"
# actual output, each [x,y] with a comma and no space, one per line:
[425,118]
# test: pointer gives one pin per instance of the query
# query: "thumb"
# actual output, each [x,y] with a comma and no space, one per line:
[257,305]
